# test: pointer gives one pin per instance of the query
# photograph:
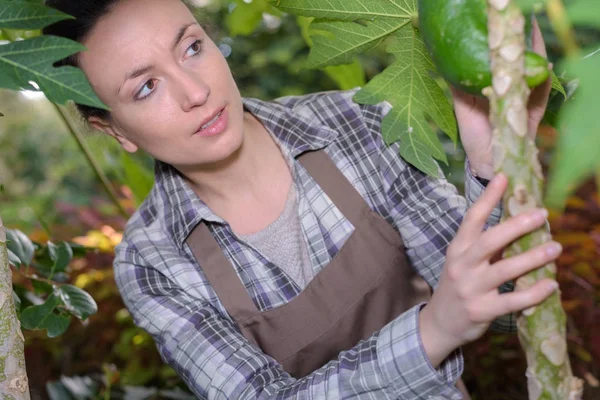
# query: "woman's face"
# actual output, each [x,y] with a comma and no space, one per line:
[163,78]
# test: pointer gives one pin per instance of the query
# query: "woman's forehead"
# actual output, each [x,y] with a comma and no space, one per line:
[131,32]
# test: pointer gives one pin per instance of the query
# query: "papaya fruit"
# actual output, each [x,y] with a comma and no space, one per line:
[456,34]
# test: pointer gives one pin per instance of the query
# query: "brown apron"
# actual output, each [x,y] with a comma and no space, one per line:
[368,283]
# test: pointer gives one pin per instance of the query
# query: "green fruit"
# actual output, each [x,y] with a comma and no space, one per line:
[456,35]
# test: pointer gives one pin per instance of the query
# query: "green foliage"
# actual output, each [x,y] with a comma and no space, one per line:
[20,248]
[31,60]
[25,61]
[43,316]
[62,299]
[414,95]
[16,14]
[77,302]
[578,150]
[344,29]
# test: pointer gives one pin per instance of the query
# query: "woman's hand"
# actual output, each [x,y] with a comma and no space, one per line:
[473,123]
[467,300]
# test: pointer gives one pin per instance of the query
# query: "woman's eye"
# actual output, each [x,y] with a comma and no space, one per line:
[194,48]
[146,90]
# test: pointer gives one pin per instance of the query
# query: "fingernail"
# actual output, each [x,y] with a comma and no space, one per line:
[553,249]
[553,286]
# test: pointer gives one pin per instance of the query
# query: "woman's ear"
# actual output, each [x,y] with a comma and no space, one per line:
[108,128]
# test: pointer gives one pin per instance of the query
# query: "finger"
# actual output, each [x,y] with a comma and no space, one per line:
[477,215]
[519,300]
[517,266]
[537,40]
[500,236]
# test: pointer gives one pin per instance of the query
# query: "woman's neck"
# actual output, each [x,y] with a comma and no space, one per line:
[245,173]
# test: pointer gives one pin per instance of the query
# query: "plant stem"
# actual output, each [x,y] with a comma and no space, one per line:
[562,26]
[92,161]
[541,329]
[13,376]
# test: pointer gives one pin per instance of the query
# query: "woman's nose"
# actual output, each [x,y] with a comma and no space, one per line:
[193,90]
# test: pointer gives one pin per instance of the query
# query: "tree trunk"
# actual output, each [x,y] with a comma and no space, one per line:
[13,377]
[541,329]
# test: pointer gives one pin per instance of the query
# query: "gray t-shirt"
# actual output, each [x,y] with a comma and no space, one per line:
[282,243]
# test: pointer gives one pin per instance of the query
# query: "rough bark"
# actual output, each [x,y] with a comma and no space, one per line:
[541,329]
[13,377]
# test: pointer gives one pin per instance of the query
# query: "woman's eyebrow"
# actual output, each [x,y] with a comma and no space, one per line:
[134,73]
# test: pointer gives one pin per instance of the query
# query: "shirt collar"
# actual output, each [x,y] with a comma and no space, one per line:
[296,130]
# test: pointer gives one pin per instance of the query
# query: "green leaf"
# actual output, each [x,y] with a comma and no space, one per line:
[349,10]
[43,317]
[338,42]
[62,257]
[27,15]
[78,302]
[346,76]
[31,60]
[21,247]
[578,149]
[556,85]
[138,178]
[416,98]
[584,12]
[13,259]
[245,17]
[345,28]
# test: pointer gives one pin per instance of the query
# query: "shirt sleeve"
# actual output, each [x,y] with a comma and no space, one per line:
[428,211]
[217,362]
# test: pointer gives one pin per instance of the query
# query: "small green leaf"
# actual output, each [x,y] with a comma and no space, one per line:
[78,302]
[62,257]
[43,317]
[13,259]
[27,15]
[556,85]
[20,245]
[32,60]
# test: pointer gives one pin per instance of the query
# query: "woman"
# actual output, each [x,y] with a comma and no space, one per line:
[275,255]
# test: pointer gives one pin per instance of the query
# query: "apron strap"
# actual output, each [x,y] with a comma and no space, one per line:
[221,273]
[339,189]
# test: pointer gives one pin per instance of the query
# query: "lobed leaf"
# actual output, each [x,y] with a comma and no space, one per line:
[31,60]
[416,98]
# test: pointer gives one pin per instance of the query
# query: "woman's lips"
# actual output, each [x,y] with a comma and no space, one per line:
[217,127]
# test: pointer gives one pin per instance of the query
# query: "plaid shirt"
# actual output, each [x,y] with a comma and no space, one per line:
[169,296]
